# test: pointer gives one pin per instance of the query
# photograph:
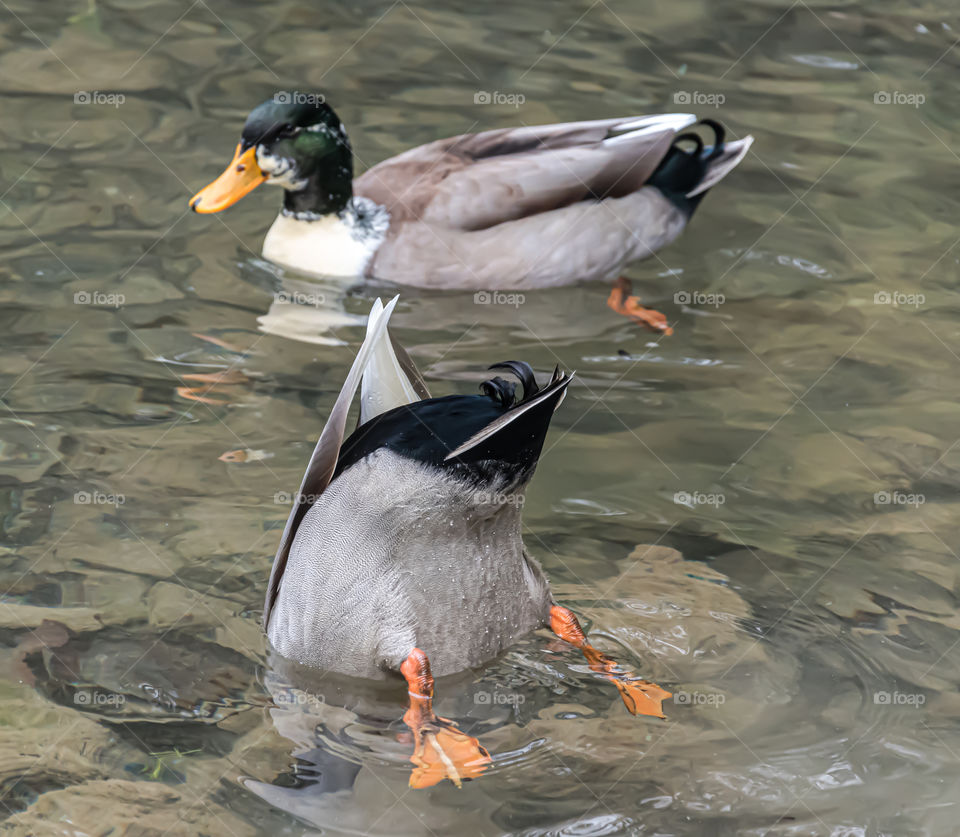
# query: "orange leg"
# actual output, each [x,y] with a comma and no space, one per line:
[622,302]
[641,697]
[441,750]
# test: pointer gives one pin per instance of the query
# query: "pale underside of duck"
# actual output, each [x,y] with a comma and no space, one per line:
[403,551]
[509,209]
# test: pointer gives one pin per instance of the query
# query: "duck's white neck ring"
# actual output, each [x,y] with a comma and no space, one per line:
[301,216]
[365,218]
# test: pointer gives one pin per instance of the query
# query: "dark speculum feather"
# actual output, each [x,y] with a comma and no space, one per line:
[524,373]
[500,390]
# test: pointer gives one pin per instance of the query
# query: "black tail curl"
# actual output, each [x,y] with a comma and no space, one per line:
[499,390]
[504,392]
[719,135]
[681,170]
[524,373]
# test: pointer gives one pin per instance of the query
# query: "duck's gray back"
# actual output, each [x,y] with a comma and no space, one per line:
[396,554]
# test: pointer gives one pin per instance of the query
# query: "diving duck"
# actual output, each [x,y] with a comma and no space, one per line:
[403,554]
[509,209]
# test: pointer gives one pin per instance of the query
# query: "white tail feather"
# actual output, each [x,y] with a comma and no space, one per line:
[651,125]
[385,385]
[323,461]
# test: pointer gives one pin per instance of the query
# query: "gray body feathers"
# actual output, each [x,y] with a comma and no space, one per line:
[584,241]
[533,207]
[396,554]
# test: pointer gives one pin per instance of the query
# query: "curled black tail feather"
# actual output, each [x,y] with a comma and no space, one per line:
[499,390]
[693,138]
[681,170]
[524,373]
[719,135]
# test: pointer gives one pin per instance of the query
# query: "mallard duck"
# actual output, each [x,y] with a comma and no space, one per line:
[403,553]
[510,209]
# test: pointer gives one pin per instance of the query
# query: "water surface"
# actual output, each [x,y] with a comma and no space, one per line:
[758,512]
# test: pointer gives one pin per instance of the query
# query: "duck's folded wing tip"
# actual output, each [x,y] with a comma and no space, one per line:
[556,389]
[323,461]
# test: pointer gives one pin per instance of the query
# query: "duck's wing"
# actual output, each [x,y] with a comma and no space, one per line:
[475,181]
[386,384]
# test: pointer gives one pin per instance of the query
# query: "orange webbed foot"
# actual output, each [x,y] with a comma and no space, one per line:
[441,749]
[621,301]
[641,697]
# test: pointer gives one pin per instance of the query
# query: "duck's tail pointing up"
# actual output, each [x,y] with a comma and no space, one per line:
[685,174]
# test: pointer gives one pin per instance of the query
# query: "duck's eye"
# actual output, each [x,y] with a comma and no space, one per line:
[287,131]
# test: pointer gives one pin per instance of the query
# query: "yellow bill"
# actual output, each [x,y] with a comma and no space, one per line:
[242,176]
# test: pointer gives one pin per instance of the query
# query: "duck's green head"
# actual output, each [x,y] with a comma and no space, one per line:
[294,140]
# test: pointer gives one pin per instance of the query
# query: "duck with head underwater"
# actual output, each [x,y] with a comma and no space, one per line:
[509,209]
[403,552]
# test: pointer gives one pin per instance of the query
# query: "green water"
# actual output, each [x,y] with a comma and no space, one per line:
[801,598]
